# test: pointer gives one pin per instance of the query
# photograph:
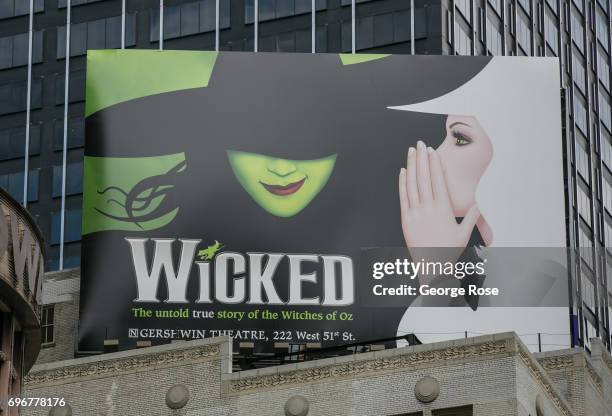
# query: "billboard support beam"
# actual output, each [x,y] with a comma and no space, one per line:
[161,25]
[256,27]
[313,28]
[26,169]
[123,24]
[353,42]
[65,142]
[217,25]
[412,41]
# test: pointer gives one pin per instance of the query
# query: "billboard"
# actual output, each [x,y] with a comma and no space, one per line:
[330,199]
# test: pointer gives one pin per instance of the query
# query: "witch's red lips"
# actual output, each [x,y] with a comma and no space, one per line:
[284,190]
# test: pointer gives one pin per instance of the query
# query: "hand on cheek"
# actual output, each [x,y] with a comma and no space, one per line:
[427,216]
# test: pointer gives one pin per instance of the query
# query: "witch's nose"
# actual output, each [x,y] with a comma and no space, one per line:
[281,167]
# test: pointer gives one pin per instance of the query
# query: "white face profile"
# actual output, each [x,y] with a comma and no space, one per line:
[466,152]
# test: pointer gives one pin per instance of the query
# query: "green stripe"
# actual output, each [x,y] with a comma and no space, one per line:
[116,76]
[357,58]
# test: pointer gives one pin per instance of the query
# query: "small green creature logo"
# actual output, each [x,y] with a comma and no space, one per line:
[209,252]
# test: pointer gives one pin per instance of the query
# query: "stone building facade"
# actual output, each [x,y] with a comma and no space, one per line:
[21,276]
[61,296]
[487,375]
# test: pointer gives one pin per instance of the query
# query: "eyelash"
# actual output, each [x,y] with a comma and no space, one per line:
[461,138]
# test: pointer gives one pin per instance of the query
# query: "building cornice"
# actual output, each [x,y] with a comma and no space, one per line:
[608,361]
[557,363]
[572,361]
[406,359]
[597,381]
[403,360]
[121,365]
[538,372]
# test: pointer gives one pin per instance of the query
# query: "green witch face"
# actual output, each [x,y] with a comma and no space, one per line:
[280,186]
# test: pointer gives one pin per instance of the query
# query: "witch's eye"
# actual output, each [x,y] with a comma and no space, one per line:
[461,140]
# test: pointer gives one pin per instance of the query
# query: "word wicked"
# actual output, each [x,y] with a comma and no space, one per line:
[231,279]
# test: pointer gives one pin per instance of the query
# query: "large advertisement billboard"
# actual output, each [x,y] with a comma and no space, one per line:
[320,198]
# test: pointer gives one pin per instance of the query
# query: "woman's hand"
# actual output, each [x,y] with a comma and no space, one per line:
[427,214]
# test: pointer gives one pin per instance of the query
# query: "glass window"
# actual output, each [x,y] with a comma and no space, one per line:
[577,31]
[13,184]
[7,8]
[33,178]
[609,271]
[37,47]
[579,5]
[383,29]
[285,8]
[463,43]
[605,113]
[76,133]
[608,244]
[14,8]
[580,115]
[62,3]
[377,30]
[588,291]
[606,149]
[189,19]
[582,159]
[551,32]
[602,29]
[584,206]
[6,52]
[496,6]
[364,32]
[523,34]
[12,97]
[465,8]
[271,9]
[603,4]
[494,39]
[586,247]
[578,73]
[267,10]
[76,88]
[46,324]
[20,49]
[12,142]
[72,228]
[74,179]
[14,50]
[130,31]
[401,26]
[603,70]
[96,34]
[112,31]
[207,16]
[78,39]
[607,199]
[172,22]
[55,228]
[525,5]
[589,332]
